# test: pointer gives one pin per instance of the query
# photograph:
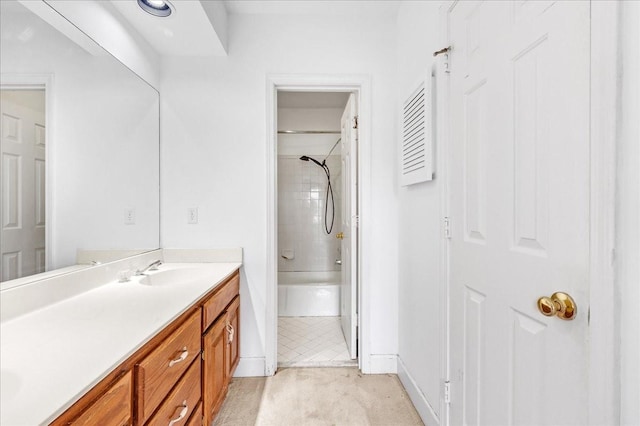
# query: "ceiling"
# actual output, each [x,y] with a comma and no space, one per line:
[313,7]
[199,27]
[312,99]
[183,33]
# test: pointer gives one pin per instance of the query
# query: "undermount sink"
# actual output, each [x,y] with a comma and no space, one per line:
[172,276]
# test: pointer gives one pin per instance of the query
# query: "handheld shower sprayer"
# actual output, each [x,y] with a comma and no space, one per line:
[305,158]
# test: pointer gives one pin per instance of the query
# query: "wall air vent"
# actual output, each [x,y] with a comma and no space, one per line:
[416,156]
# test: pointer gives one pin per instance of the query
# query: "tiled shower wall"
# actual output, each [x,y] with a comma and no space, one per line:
[302,187]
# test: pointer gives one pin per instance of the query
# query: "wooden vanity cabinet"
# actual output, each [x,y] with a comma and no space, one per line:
[182,401]
[220,345]
[112,408]
[181,374]
[196,419]
[216,305]
[161,369]
[214,369]
[233,319]
[109,403]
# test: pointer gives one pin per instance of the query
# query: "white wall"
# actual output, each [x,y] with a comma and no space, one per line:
[628,217]
[419,233]
[214,149]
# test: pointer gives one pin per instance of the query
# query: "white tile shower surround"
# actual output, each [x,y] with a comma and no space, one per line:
[302,188]
[312,342]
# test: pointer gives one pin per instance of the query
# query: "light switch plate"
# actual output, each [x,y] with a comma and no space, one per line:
[192,215]
[129,216]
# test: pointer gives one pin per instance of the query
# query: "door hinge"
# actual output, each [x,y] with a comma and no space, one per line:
[202,354]
[356,221]
[355,122]
[445,53]
[446,223]
[447,392]
[447,64]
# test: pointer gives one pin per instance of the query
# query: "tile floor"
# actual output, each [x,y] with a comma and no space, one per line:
[312,342]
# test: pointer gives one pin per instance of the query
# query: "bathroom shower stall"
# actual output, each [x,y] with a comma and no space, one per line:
[310,229]
[309,263]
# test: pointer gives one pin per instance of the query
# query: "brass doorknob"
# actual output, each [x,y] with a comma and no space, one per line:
[340,235]
[559,304]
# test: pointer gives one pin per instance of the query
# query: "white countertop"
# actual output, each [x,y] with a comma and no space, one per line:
[52,356]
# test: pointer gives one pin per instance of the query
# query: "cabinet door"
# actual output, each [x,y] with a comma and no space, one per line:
[214,368]
[233,330]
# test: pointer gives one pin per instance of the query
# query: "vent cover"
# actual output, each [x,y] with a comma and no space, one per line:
[416,157]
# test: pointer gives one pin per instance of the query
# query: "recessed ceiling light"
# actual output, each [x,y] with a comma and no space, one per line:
[160,8]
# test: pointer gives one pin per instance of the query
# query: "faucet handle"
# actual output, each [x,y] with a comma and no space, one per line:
[152,267]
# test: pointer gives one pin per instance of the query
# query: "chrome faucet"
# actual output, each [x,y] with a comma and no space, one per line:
[152,267]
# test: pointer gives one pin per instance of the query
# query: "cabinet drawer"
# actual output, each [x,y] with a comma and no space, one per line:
[160,370]
[215,305]
[196,417]
[112,408]
[182,400]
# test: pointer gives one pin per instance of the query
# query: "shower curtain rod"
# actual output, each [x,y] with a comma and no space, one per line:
[310,132]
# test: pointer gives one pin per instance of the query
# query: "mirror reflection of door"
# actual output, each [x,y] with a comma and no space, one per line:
[22,182]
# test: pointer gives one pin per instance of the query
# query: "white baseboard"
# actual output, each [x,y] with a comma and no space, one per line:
[250,367]
[424,409]
[382,364]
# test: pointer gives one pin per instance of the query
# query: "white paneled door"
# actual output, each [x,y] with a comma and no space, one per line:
[22,175]
[349,230]
[519,183]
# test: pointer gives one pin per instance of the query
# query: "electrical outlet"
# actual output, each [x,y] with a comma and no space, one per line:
[129,216]
[192,215]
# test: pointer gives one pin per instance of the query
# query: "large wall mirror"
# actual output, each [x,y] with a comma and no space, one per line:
[80,149]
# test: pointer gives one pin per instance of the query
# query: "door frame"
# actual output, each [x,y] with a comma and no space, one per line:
[360,85]
[443,122]
[29,81]
[603,345]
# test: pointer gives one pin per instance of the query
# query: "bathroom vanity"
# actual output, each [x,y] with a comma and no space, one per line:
[160,348]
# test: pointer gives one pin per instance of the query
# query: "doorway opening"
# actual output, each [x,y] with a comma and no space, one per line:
[23,181]
[316,231]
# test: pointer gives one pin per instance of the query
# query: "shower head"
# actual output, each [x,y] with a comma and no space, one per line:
[305,158]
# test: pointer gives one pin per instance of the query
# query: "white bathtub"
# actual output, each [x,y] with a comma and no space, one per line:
[309,294]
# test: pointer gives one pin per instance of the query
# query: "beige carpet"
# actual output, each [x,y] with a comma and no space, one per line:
[318,396]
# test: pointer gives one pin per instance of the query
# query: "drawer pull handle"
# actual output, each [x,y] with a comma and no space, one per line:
[182,357]
[231,332]
[182,415]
